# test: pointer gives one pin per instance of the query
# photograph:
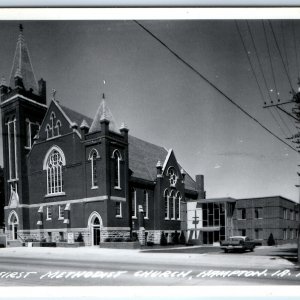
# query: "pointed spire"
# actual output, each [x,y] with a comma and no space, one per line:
[103,113]
[22,65]
[84,124]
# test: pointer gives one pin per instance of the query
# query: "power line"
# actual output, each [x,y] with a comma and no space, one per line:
[261,69]
[273,115]
[211,84]
[284,123]
[277,45]
[259,62]
[270,59]
[296,51]
[250,63]
[284,47]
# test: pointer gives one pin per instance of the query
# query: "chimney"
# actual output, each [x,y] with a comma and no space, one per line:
[200,186]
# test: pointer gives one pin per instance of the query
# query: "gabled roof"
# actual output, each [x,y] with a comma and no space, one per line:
[103,112]
[143,157]
[75,116]
[22,66]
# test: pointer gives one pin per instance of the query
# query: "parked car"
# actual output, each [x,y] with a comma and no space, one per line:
[237,243]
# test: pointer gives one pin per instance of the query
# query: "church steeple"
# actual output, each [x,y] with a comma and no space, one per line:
[22,66]
[103,113]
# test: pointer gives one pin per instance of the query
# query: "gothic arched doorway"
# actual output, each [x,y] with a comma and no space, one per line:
[95,224]
[13,221]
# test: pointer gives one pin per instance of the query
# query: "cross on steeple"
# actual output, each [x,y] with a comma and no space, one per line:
[53,94]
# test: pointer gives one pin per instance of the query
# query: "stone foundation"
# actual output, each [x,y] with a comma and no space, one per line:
[153,236]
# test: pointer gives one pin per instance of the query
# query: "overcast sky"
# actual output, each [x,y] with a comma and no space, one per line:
[164,102]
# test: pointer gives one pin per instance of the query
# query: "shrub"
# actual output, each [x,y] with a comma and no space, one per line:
[175,238]
[134,237]
[182,238]
[163,240]
[107,240]
[271,241]
[79,238]
[150,243]
[119,239]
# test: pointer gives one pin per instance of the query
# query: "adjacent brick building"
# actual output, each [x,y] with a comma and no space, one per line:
[69,176]
[258,218]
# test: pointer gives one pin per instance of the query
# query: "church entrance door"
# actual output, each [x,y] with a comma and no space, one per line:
[96,232]
[94,225]
[13,221]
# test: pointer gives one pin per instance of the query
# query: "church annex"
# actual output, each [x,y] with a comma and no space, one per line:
[66,173]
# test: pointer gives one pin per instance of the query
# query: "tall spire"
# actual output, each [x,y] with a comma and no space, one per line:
[22,65]
[102,113]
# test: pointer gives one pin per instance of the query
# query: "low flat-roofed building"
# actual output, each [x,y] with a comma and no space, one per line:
[210,221]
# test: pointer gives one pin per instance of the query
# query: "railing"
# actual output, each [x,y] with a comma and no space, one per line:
[19,237]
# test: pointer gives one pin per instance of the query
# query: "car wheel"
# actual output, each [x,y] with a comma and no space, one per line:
[252,249]
[226,250]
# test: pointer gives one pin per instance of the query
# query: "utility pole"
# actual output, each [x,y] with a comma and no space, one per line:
[294,114]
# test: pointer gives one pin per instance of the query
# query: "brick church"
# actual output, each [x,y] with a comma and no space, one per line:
[68,174]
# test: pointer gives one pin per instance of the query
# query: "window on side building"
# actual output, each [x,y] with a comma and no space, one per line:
[258,212]
[241,212]
[242,232]
[258,234]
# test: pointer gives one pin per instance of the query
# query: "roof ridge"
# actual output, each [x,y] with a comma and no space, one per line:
[72,110]
[162,147]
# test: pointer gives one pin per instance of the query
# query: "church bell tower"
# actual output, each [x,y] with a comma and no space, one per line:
[23,106]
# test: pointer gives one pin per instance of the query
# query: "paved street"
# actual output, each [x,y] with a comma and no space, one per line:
[97,267]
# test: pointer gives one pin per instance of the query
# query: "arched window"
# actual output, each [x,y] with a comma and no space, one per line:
[172,205]
[133,203]
[117,172]
[178,203]
[58,126]
[145,204]
[53,163]
[93,158]
[166,199]
[172,176]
